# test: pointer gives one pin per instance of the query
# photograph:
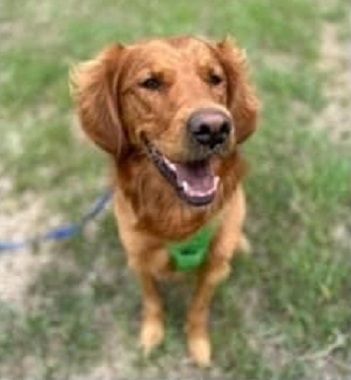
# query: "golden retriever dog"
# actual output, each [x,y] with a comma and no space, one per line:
[172,114]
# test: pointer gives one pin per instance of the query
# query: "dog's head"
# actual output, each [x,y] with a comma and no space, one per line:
[185,103]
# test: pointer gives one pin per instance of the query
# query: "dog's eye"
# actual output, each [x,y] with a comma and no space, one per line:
[152,83]
[214,79]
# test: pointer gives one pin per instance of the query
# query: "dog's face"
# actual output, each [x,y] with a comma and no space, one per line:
[184,103]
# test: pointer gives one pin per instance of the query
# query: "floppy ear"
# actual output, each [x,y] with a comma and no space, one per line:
[94,85]
[242,101]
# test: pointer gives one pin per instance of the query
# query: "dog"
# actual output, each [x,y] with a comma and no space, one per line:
[172,114]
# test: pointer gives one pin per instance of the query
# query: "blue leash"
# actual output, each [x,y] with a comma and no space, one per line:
[62,232]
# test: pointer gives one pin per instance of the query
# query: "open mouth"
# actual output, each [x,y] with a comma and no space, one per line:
[194,181]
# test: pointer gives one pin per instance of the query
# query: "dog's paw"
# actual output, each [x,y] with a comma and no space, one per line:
[200,351]
[151,335]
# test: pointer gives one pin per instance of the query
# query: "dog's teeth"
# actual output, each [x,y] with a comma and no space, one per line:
[216,182]
[170,164]
[185,187]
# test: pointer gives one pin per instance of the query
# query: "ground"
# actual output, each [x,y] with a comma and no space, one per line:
[71,310]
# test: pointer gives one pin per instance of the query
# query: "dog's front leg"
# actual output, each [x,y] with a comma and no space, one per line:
[198,315]
[152,328]
[146,265]
[145,261]
[230,238]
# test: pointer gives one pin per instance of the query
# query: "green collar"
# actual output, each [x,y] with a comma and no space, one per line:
[190,254]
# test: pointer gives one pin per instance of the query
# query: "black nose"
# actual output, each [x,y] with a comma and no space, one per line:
[210,127]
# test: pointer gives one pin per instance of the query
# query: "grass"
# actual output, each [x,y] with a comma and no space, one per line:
[282,306]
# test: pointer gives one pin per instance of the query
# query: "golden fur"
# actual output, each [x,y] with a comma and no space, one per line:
[116,112]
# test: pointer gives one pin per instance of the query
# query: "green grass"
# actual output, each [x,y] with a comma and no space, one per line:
[291,299]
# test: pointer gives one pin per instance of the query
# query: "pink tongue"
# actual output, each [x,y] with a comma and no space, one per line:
[197,175]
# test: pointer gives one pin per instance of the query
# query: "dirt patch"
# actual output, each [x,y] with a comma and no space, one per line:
[17,271]
[335,63]
[21,217]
